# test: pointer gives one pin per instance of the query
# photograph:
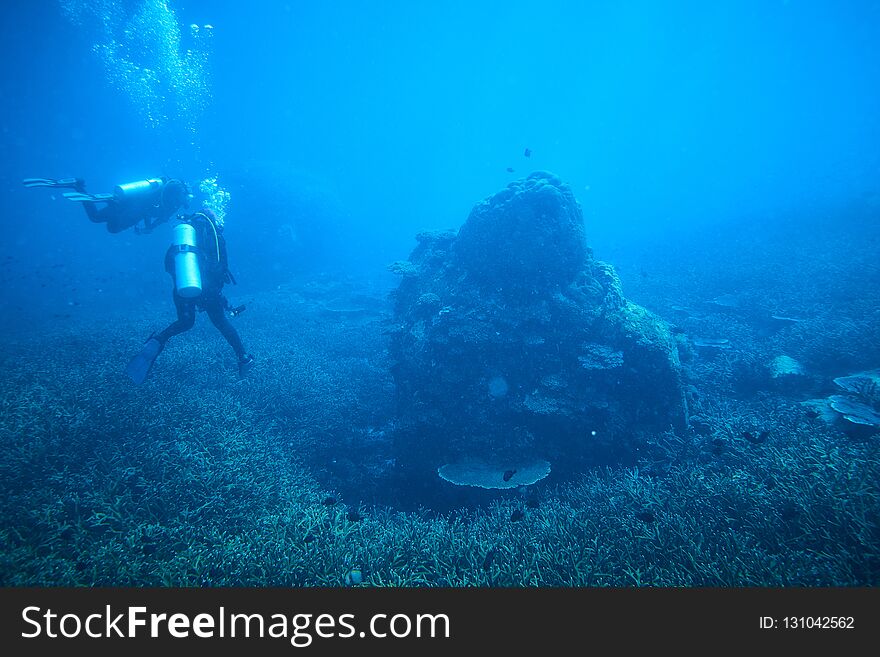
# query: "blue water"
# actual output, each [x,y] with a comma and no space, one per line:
[724,148]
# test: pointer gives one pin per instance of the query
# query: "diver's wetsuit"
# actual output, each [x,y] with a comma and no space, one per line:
[215,273]
[152,209]
[215,306]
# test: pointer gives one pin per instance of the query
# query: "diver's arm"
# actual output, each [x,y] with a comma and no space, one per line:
[151,222]
[224,261]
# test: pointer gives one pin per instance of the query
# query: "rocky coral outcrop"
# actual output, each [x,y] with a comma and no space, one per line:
[511,342]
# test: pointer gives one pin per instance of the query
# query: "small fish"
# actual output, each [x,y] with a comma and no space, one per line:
[533,502]
[354,516]
[510,169]
[646,517]
[527,152]
[517,515]
[309,538]
[354,577]
[717,446]
[329,501]
[811,413]
[508,474]
[490,556]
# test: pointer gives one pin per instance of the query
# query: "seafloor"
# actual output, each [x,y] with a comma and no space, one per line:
[287,478]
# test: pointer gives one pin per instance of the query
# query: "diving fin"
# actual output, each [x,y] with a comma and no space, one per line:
[73,183]
[82,197]
[139,366]
[245,365]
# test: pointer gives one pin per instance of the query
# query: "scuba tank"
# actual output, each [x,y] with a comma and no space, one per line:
[187,275]
[137,191]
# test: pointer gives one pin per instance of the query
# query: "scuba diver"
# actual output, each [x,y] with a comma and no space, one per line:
[198,265]
[153,201]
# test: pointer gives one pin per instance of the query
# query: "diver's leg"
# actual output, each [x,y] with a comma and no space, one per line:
[90,207]
[118,223]
[215,308]
[93,212]
[109,214]
[186,318]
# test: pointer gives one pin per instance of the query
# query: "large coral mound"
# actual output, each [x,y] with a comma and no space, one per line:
[537,228]
[512,342]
